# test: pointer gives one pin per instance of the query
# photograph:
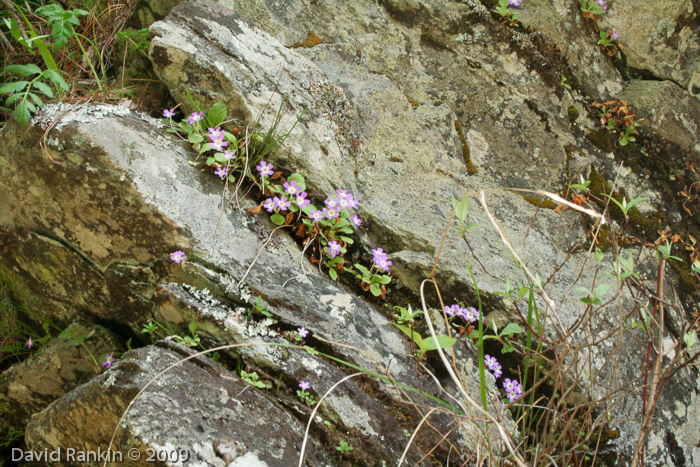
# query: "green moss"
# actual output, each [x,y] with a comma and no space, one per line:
[466,152]
[573,114]
[312,40]
[543,203]
[413,102]
[602,139]
[645,226]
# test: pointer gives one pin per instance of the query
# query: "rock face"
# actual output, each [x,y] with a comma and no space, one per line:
[64,363]
[407,104]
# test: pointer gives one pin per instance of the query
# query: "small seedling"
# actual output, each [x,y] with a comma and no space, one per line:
[343,447]
[252,378]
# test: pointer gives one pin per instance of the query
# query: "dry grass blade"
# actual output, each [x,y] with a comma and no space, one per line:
[313,414]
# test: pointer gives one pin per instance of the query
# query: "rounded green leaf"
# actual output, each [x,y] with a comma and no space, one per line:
[277,218]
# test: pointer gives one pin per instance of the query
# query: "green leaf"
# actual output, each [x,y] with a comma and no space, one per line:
[220,158]
[461,208]
[216,114]
[383,279]
[22,112]
[196,138]
[375,289]
[193,327]
[210,160]
[13,87]
[413,335]
[277,218]
[36,100]
[23,70]
[43,88]
[511,328]
[14,97]
[333,273]
[443,342]
[347,240]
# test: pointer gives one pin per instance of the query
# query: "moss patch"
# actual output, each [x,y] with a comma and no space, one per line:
[573,114]
[311,41]
[413,102]
[466,152]
[538,202]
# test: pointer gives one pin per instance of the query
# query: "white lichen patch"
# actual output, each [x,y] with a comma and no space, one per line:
[66,114]
[352,415]
[339,304]
[248,460]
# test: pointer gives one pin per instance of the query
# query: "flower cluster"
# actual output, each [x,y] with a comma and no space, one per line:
[603,4]
[493,365]
[514,390]
[468,314]
[379,258]
[515,2]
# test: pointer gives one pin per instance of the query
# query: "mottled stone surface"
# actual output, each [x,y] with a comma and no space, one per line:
[60,365]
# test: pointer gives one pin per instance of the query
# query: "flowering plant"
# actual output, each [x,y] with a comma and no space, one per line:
[507,15]
[304,394]
[606,40]
[593,7]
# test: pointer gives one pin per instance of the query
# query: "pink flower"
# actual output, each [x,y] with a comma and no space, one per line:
[177,256]
[109,359]
[168,113]
[195,117]
[30,342]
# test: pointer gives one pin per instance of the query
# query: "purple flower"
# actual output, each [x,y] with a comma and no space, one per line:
[331,213]
[448,311]
[497,371]
[378,253]
[515,2]
[30,342]
[265,169]
[333,249]
[291,188]
[301,199]
[168,113]
[177,256]
[317,215]
[343,194]
[109,359]
[302,331]
[195,117]
[304,385]
[228,155]
[269,204]
[282,202]
[216,134]
[218,145]
[603,4]
[509,384]
[383,264]
[221,172]
[355,220]
[331,202]
[470,314]
[490,362]
[615,34]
